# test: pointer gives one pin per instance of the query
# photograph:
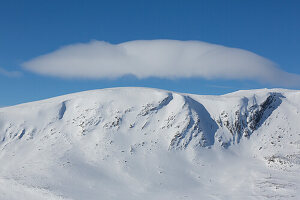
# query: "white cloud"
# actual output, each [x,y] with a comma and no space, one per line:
[158,58]
[9,73]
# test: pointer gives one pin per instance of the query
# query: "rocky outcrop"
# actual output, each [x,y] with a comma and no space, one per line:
[248,118]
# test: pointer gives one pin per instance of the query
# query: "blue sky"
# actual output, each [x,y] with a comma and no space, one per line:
[32,28]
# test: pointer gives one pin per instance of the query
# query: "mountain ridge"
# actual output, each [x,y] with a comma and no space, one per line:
[142,140]
[157,89]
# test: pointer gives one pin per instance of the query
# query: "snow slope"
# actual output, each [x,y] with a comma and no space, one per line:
[141,143]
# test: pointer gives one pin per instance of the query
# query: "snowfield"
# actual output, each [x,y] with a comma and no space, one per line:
[141,143]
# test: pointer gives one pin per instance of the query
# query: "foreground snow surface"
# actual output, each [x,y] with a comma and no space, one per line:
[140,143]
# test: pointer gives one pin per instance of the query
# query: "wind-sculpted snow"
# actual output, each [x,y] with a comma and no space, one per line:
[138,143]
[199,126]
[62,110]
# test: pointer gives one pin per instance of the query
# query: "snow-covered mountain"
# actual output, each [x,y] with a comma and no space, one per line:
[140,143]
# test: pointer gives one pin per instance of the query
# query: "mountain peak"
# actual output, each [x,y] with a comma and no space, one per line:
[134,141]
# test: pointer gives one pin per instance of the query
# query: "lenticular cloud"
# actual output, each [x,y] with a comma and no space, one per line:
[158,58]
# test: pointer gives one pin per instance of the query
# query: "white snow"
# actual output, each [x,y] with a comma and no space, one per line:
[141,143]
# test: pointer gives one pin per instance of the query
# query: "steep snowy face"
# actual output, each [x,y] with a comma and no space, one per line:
[177,119]
[137,142]
[248,116]
[173,119]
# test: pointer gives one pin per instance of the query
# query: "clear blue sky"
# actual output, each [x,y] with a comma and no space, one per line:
[28,28]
